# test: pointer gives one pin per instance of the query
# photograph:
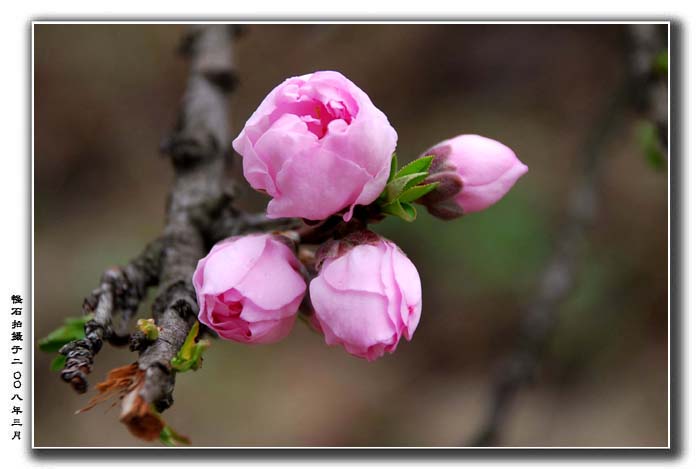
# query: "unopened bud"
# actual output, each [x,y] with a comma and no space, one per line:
[473,173]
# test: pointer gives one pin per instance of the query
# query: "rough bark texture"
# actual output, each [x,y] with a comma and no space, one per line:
[113,304]
[199,150]
[201,196]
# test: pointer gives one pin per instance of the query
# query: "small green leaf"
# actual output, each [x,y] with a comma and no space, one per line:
[394,165]
[189,357]
[58,363]
[402,183]
[420,165]
[72,329]
[410,175]
[416,192]
[409,211]
[403,210]
[188,346]
[170,437]
[149,328]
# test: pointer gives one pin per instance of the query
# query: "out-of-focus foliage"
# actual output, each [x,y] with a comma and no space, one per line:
[661,63]
[648,135]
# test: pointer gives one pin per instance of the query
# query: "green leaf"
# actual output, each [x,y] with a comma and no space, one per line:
[403,210]
[416,192]
[149,328]
[72,329]
[394,165]
[410,175]
[409,211]
[402,183]
[187,349]
[421,165]
[58,363]
[170,437]
[392,172]
[189,357]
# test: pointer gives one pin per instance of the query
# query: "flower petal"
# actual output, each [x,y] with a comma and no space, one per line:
[231,262]
[358,319]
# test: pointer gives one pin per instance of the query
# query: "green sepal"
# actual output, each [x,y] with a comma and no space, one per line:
[189,357]
[72,329]
[416,192]
[403,210]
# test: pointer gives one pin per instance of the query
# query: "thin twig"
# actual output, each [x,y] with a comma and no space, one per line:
[121,291]
[647,42]
[557,280]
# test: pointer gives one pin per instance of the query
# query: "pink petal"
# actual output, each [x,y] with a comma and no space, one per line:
[358,270]
[357,318]
[231,263]
[271,283]
[318,184]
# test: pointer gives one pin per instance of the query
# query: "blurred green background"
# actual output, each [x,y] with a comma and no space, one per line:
[106,94]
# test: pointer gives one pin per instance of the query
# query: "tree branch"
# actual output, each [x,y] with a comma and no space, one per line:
[121,291]
[200,151]
[201,197]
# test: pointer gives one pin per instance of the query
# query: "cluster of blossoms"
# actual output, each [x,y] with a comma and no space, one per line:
[320,148]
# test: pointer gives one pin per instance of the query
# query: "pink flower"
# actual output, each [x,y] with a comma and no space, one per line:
[474,173]
[249,288]
[318,146]
[366,296]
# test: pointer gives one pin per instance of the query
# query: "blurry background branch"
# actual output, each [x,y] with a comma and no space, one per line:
[640,87]
[556,282]
[649,69]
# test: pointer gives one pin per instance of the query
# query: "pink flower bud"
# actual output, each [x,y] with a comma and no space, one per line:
[366,296]
[473,173]
[249,288]
[318,146]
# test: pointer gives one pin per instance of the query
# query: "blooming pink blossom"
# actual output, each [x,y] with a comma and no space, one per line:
[474,173]
[249,288]
[317,145]
[366,296]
